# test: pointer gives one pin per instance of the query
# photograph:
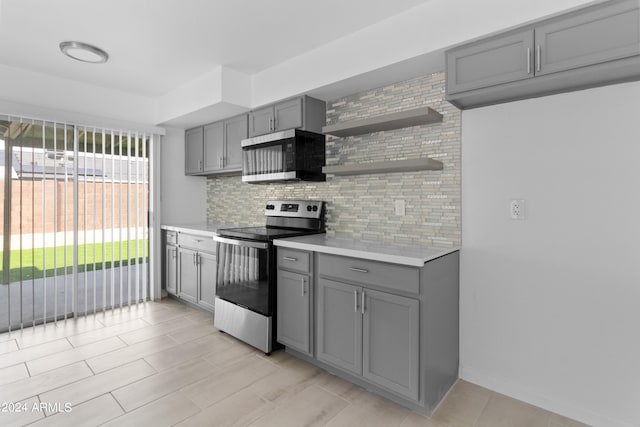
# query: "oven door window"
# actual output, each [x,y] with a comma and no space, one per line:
[265,158]
[242,276]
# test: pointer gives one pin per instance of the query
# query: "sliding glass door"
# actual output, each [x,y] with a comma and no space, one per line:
[75,220]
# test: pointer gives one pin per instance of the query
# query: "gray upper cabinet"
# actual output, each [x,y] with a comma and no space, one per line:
[339,328]
[261,121]
[236,129]
[294,311]
[390,341]
[194,140]
[486,63]
[596,36]
[593,46]
[303,112]
[288,115]
[213,146]
[216,148]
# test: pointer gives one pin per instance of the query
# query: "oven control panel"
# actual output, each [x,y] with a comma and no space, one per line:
[294,208]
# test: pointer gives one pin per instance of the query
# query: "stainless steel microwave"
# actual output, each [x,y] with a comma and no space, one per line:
[290,155]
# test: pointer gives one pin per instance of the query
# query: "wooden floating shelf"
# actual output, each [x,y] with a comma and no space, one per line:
[403,119]
[389,166]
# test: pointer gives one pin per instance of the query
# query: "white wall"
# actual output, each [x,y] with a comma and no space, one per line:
[183,198]
[550,306]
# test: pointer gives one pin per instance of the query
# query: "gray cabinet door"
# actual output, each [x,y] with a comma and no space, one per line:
[213,146]
[193,144]
[589,37]
[490,62]
[261,121]
[206,280]
[236,129]
[294,311]
[391,342]
[171,269]
[288,114]
[188,273]
[339,328]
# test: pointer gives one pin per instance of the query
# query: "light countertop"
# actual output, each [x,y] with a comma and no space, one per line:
[200,228]
[415,256]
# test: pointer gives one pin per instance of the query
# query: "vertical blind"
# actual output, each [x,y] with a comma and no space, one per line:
[75,220]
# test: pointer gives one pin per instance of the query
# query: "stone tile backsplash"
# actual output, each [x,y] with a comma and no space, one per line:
[362,206]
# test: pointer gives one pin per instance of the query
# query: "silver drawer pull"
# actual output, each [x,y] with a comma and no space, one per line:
[288,258]
[362,304]
[355,301]
[359,270]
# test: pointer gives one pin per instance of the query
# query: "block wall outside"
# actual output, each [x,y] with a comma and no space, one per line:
[362,206]
[28,198]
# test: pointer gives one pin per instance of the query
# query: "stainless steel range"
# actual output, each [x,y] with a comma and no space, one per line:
[246,273]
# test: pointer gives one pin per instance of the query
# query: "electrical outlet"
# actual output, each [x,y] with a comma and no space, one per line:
[516,208]
[400,208]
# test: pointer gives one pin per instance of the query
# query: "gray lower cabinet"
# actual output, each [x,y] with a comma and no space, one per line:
[207,264]
[339,325]
[294,311]
[593,46]
[391,328]
[171,269]
[188,272]
[190,265]
[390,341]
[370,333]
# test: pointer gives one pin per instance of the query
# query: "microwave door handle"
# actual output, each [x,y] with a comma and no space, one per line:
[242,243]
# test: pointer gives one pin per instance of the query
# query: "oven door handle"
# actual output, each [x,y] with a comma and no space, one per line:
[244,243]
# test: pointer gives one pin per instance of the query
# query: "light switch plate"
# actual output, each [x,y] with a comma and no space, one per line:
[400,208]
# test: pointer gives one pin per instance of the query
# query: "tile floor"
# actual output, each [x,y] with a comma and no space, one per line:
[165,364]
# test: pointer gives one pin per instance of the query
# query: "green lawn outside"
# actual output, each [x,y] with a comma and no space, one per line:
[34,267]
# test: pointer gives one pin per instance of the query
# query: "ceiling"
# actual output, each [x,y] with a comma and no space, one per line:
[157,45]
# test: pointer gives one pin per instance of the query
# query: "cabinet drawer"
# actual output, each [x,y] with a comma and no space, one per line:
[293,260]
[200,243]
[171,237]
[391,276]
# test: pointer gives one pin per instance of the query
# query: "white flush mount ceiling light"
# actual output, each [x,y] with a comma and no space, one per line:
[84,52]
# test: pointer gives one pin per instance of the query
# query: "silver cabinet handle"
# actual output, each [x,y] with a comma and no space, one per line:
[199,164]
[362,304]
[194,259]
[355,301]
[359,270]
[528,60]
[538,58]
[302,283]
[288,258]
